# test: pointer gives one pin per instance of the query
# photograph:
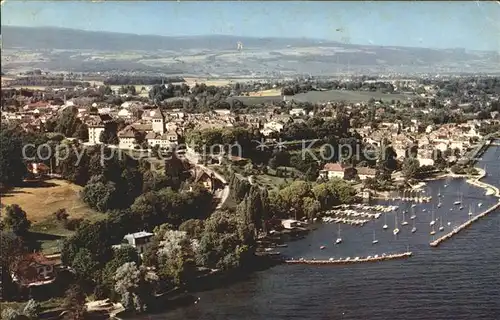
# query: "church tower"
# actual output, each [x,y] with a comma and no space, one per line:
[158,121]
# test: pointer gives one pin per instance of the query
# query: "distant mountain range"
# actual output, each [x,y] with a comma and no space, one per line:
[68,49]
[62,38]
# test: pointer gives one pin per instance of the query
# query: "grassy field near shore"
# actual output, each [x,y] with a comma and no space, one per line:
[40,201]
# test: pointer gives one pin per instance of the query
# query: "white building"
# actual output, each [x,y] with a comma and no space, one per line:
[139,240]
[126,138]
[332,170]
[272,126]
[96,126]
[298,112]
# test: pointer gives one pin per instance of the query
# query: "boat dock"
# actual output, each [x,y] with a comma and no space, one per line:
[348,260]
[476,182]
[466,224]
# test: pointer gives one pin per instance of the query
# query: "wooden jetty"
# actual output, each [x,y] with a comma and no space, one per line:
[375,258]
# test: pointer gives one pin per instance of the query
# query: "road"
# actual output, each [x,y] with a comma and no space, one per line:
[193,158]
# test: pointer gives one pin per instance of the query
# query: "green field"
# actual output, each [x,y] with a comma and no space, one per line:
[41,200]
[344,95]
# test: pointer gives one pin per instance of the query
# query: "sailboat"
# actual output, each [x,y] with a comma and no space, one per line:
[432,221]
[414,229]
[470,211]
[396,230]
[375,241]
[385,221]
[404,222]
[459,201]
[413,216]
[339,239]
[433,232]
[479,204]
[441,228]
[439,192]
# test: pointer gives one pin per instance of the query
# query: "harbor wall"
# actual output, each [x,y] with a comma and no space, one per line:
[351,261]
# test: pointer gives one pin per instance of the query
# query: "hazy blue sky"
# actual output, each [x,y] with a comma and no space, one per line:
[471,25]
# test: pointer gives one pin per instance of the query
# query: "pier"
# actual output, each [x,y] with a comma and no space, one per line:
[466,224]
[475,181]
[375,258]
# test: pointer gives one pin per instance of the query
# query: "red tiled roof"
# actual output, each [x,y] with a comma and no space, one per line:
[333,167]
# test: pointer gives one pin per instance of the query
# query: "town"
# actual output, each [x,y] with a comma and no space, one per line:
[229,160]
[439,127]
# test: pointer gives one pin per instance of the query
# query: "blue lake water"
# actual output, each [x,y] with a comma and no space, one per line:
[459,280]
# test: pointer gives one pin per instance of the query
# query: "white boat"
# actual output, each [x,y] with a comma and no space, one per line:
[480,204]
[470,211]
[413,215]
[433,221]
[439,204]
[339,239]
[449,223]
[433,231]
[404,222]
[385,222]
[396,230]
[413,205]
[414,229]
[441,228]
[375,241]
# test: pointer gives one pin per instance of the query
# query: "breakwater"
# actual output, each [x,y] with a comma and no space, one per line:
[475,181]
[375,258]
[464,225]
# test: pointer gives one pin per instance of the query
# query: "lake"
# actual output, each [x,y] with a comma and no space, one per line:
[458,280]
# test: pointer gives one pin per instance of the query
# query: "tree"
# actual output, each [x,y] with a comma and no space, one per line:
[85,266]
[135,286]
[121,256]
[181,265]
[12,167]
[12,249]
[99,193]
[193,228]
[74,303]
[223,242]
[410,168]
[311,207]
[15,218]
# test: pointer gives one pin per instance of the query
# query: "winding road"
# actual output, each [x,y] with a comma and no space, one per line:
[193,159]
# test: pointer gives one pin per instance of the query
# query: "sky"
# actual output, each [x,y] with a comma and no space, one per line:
[471,25]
